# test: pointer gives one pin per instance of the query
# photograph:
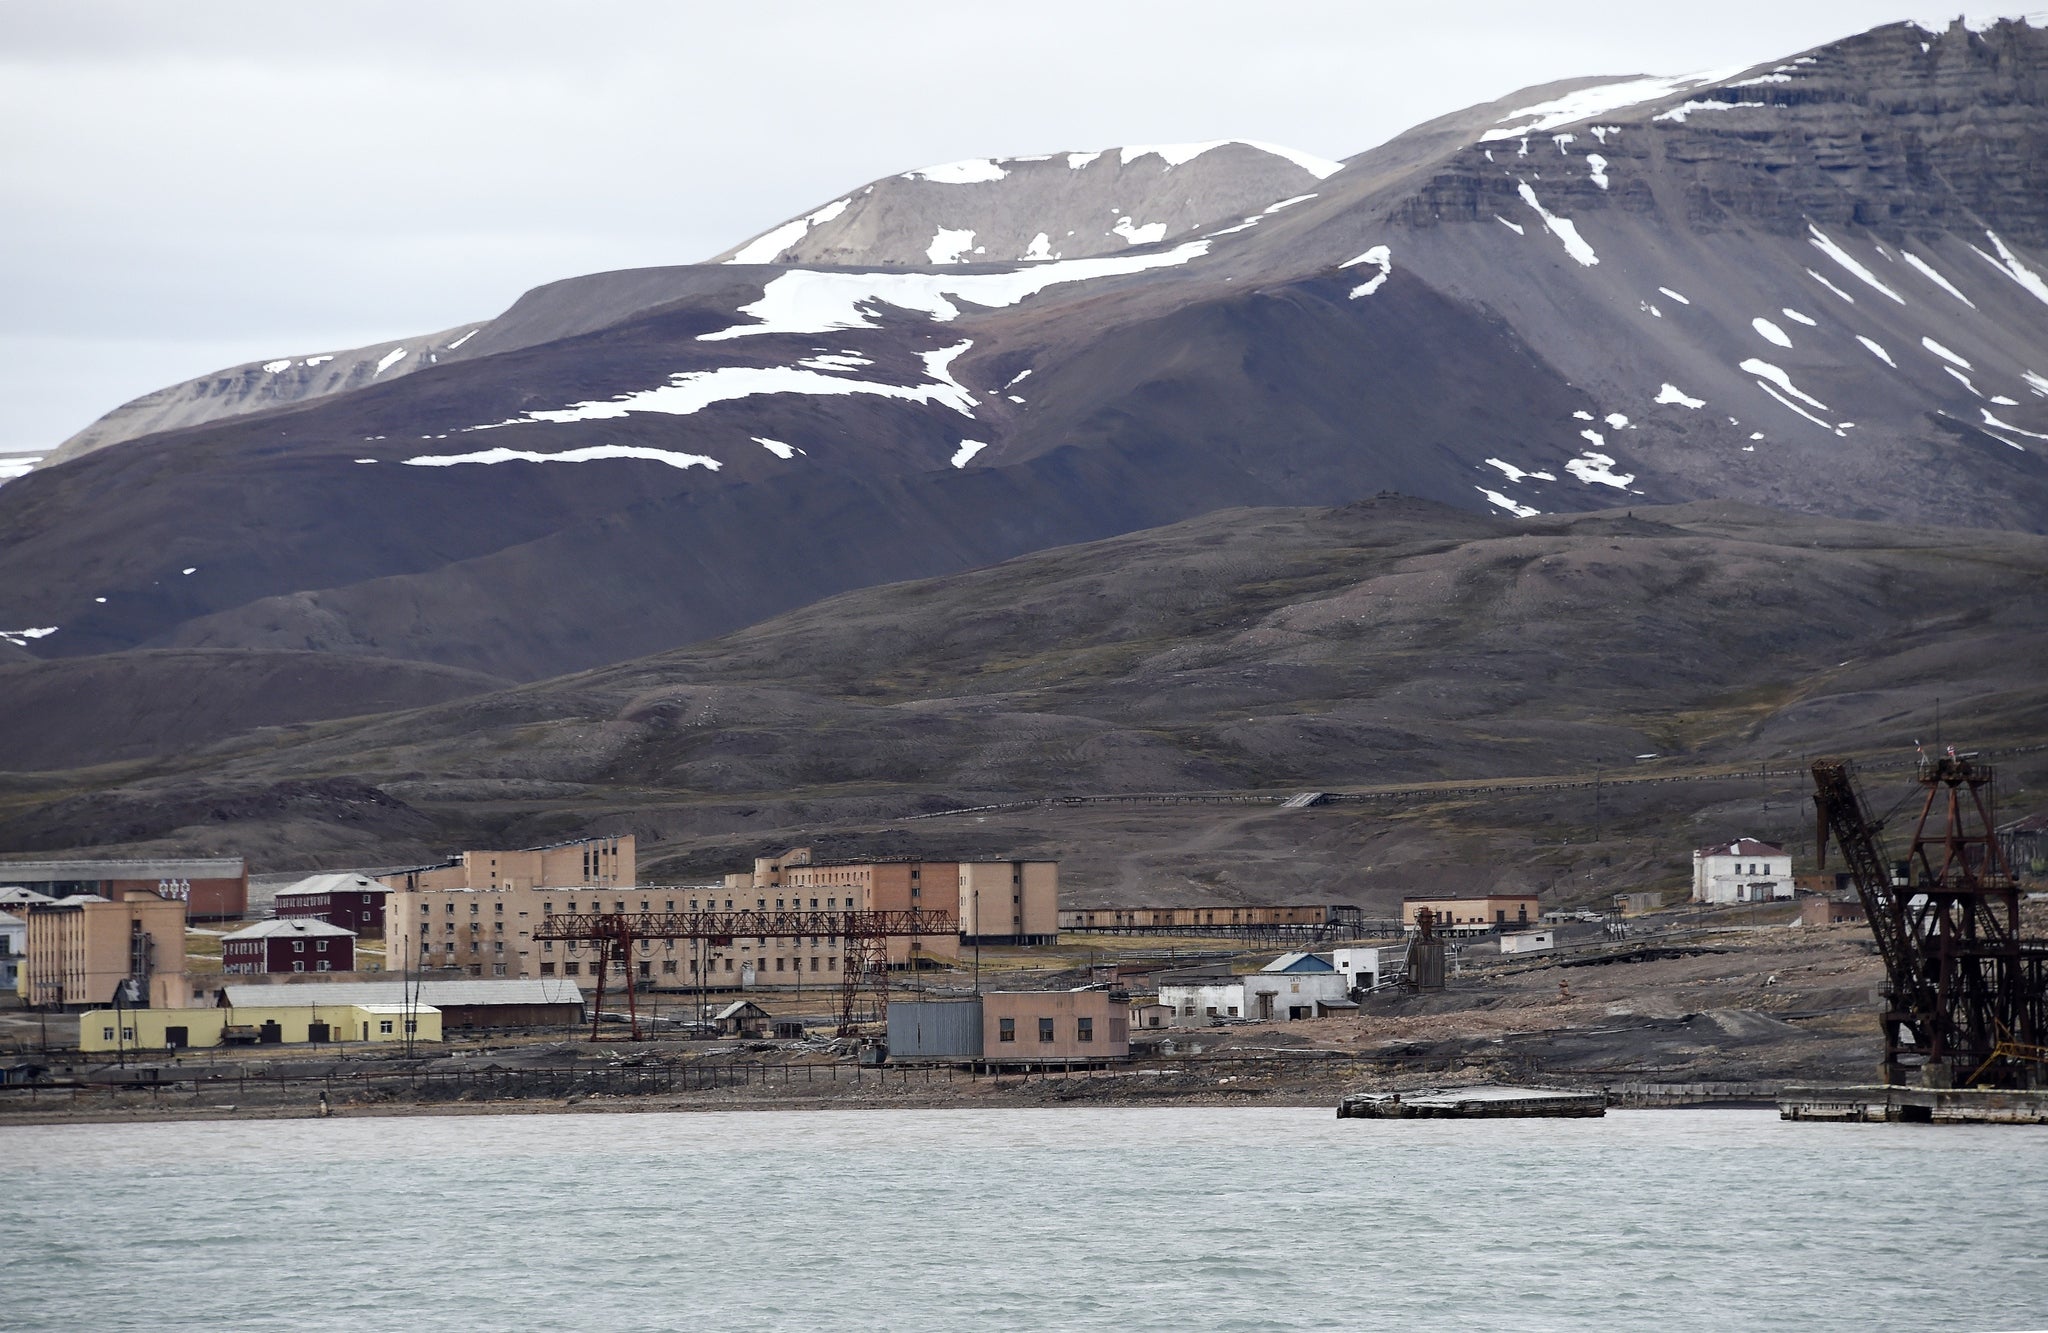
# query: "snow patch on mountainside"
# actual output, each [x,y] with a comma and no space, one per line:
[588,454]
[2014,269]
[1563,228]
[693,391]
[968,172]
[1596,101]
[1380,257]
[948,245]
[763,248]
[806,301]
[1825,244]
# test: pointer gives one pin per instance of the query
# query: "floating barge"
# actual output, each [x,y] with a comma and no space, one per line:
[1895,1102]
[1483,1102]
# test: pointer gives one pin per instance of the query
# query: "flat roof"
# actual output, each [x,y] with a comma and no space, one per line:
[440,994]
[44,872]
[1462,897]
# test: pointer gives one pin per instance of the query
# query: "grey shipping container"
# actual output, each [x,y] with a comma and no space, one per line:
[935,1029]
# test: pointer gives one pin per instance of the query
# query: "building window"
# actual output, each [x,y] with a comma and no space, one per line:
[384,1026]
[1084,1029]
[1045,1029]
[1006,1029]
[298,966]
[668,965]
[1233,1011]
[320,946]
[497,969]
[569,969]
[106,1034]
[325,966]
[298,946]
[547,969]
[778,963]
[426,909]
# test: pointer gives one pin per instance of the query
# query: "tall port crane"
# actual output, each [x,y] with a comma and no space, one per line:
[1966,998]
[863,936]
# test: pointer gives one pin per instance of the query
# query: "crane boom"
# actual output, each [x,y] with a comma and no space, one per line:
[1966,997]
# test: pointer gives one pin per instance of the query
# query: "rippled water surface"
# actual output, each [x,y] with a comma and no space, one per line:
[1198,1218]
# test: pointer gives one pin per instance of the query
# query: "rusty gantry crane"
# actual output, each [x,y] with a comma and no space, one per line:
[1966,999]
[863,935]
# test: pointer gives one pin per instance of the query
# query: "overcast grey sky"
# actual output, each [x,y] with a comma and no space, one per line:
[187,186]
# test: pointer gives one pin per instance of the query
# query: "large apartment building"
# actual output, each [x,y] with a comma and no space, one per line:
[480,922]
[603,862]
[82,949]
[991,902]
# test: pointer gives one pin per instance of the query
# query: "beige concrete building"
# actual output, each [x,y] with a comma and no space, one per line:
[588,862]
[1054,1027]
[1010,902]
[475,915]
[1462,915]
[81,948]
[489,933]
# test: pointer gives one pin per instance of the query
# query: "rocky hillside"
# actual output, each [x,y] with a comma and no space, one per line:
[1817,284]
[1390,643]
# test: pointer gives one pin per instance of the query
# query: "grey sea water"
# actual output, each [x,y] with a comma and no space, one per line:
[1179,1218]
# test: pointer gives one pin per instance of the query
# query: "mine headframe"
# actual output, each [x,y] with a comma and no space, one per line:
[862,935]
[1966,998]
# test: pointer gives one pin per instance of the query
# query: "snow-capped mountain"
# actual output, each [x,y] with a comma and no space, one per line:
[1818,283]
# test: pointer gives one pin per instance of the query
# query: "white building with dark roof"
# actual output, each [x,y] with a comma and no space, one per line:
[1742,871]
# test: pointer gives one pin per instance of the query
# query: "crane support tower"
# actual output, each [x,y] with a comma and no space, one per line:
[1966,998]
[862,934]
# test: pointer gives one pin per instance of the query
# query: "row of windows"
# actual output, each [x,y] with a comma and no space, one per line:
[671,967]
[647,905]
[1084,1029]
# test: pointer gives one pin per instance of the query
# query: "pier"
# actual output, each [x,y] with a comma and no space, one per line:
[1473,1103]
[1897,1102]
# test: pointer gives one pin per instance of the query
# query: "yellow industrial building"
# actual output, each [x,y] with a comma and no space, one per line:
[268,1025]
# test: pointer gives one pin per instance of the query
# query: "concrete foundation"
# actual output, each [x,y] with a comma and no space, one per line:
[1483,1102]
[1894,1102]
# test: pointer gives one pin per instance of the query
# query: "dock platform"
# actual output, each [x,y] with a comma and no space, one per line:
[1485,1101]
[1895,1102]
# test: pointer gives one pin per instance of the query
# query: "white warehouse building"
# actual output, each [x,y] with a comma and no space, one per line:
[1743,871]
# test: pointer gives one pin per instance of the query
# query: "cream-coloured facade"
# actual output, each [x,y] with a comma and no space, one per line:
[600,862]
[483,926]
[80,949]
[489,933]
[1010,902]
[175,1029]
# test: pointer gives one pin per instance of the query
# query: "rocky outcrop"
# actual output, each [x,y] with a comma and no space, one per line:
[259,385]
[1055,206]
[1899,130]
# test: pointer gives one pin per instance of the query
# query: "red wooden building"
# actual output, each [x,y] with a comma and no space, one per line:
[351,901]
[297,945]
